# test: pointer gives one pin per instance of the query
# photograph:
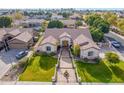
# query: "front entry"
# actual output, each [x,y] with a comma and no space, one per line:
[65,43]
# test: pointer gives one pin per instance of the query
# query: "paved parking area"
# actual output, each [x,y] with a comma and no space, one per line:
[7,59]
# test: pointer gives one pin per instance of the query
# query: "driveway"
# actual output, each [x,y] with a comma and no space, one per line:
[7,59]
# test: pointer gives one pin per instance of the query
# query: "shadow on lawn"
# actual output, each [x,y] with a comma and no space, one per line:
[118,72]
[47,62]
[99,71]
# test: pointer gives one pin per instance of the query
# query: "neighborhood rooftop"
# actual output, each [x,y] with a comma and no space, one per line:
[25,36]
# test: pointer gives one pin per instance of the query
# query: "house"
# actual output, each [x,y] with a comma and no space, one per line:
[29,23]
[75,16]
[68,23]
[16,38]
[56,17]
[65,37]
[22,41]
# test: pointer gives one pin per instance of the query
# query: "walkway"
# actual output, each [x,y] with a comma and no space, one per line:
[66,64]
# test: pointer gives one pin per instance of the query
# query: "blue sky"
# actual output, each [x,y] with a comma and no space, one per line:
[61,3]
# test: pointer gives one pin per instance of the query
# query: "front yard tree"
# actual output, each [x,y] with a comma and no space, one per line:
[55,24]
[112,57]
[5,21]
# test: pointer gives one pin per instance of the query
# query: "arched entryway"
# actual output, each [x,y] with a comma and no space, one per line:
[65,40]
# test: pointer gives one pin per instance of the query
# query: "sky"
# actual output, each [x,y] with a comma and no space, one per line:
[61,3]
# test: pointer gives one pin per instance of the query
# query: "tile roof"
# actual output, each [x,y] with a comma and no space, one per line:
[25,36]
[64,34]
[74,33]
[14,32]
[68,22]
[49,39]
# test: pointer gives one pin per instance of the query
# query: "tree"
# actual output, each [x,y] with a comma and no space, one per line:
[65,15]
[5,21]
[120,24]
[91,18]
[103,26]
[18,16]
[76,50]
[96,34]
[44,26]
[79,23]
[111,18]
[55,24]
[98,22]
[112,57]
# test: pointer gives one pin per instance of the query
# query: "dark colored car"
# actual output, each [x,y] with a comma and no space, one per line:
[116,44]
[21,54]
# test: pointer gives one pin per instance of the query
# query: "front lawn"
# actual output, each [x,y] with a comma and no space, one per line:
[102,72]
[39,68]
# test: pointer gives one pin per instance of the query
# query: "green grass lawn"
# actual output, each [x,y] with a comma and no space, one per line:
[101,72]
[40,68]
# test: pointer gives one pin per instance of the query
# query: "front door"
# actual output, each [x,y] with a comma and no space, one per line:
[65,43]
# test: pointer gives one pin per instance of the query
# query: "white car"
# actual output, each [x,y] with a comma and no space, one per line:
[115,44]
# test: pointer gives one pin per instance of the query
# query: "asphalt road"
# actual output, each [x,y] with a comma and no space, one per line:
[112,36]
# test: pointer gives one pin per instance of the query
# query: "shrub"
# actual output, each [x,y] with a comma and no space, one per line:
[112,57]
[76,50]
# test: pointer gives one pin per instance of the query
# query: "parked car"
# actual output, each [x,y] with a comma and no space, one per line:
[115,44]
[21,54]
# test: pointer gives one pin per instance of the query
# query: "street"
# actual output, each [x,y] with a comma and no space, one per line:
[112,36]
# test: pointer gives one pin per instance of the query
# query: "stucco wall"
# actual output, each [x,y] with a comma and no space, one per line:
[42,48]
[84,53]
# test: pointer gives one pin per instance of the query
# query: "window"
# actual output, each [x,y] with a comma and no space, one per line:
[48,48]
[90,53]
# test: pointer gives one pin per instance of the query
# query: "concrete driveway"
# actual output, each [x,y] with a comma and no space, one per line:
[7,59]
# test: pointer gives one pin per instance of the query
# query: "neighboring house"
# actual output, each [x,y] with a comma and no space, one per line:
[56,17]
[68,23]
[57,38]
[75,16]
[29,23]
[23,40]
[16,38]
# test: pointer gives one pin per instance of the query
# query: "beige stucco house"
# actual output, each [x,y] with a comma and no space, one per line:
[16,38]
[54,38]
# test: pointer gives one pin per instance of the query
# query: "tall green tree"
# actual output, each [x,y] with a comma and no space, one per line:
[96,34]
[55,24]
[5,21]
[98,22]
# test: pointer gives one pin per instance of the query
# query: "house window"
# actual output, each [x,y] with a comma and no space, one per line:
[48,48]
[90,53]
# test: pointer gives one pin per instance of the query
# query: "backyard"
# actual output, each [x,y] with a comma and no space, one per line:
[104,72]
[39,68]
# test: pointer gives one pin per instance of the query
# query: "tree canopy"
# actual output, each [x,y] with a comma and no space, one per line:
[96,34]
[5,21]
[55,24]
[97,21]
[111,18]
[79,23]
